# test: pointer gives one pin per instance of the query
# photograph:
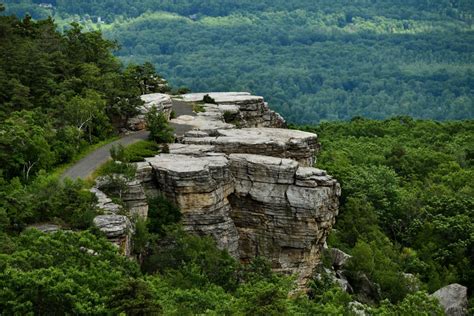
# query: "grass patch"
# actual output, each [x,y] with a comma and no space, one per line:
[135,152]
[197,107]
[140,150]
[113,167]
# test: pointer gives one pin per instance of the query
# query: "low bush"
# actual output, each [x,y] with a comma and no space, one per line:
[140,150]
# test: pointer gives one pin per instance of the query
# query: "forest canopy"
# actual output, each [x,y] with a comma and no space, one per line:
[312,60]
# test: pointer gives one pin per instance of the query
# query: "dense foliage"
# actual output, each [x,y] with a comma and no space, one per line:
[312,60]
[82,273]
[407,202]
[60,92]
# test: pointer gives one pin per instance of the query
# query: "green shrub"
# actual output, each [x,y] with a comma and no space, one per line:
[161,213]
[160,130]
[113,167]
[117,152]
[229,116]
[207,99]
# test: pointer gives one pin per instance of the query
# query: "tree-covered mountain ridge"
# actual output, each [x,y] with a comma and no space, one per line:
[313,60]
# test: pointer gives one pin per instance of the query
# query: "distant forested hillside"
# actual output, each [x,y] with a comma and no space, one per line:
[313,60]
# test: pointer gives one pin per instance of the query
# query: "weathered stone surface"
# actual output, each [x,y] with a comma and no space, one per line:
[275,218]
[104,203]
[282,143]
[246,110]
[118,230]
[134,199]
[162,102]
[199,187]
[204,122]
[191,150]
[453,298]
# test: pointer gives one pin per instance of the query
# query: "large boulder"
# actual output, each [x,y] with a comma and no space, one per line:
[118,230]
[453,298]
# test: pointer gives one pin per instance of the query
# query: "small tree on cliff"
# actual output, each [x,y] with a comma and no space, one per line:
[160,130]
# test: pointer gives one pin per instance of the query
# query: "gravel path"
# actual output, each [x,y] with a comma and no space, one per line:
[86,166]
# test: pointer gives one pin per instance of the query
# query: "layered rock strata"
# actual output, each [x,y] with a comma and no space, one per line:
[200,188]
[252,205]
[116,226]
[231,109]
[118,230]
[275,142]
[252,189]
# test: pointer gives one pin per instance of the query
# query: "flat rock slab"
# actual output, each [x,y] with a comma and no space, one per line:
[113,225]
[202,122]
[159,100]
[282,143]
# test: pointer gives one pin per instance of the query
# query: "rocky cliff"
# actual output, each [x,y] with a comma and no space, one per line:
[252,189]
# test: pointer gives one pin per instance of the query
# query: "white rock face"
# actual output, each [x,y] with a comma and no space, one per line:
[200,188]
[252,205]
[252,189]
[276,142]
[453,298]
[118,230]
[162,102]
[231,109]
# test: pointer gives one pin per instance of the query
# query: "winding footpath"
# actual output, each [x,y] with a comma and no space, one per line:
[87,165]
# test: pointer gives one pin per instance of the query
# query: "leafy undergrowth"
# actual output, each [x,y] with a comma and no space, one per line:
[407,200]
[140,150]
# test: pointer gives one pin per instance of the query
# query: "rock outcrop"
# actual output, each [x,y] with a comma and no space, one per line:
[453,298]
[230,110]
[252,205]
[118,230]
[47,228]
[162,102]
[252,189]
[284,143]
[117,227]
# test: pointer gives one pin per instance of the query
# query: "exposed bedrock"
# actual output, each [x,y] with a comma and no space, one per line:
[230,110]
[252,205]
[200,188]
[276,142]
[252,189]
[162,103]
